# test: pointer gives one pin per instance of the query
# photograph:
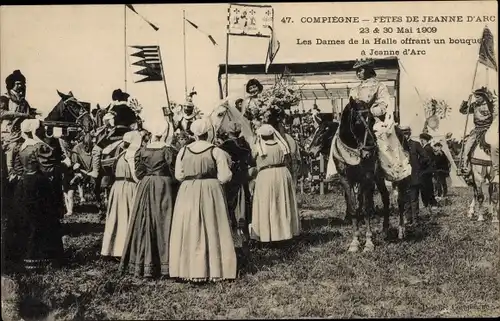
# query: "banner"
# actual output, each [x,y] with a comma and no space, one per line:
[250,20]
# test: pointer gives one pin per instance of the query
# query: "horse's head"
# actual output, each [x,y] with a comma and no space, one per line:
[69,109]
[356,129]
[322,138]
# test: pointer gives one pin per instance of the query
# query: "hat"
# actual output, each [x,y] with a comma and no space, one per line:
[200,127]
[265,130]
[405,129]
[189,101]
[234,127]
[11,79]
[119,95]
[425,136]
[363,62]
[484,92]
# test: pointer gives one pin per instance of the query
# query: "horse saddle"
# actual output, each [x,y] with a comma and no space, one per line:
[343,153]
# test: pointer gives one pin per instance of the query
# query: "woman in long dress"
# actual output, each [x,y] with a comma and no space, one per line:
[147,243]
[275,214]
[391,154]
[121,197]
[202,247]
[39,217]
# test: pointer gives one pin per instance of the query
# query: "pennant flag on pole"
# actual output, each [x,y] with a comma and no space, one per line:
[272,50]
[147,21]
[196,27]
[486,51]
[151,61]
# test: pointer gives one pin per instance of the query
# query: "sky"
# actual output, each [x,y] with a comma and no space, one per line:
[81,48]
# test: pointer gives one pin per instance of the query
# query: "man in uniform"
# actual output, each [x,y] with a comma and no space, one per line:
[482,110]
[13,109]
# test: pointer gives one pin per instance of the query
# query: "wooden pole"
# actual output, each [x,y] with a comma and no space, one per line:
[227,63]
[460,163]
[125,42]
[185,60]
[164,78]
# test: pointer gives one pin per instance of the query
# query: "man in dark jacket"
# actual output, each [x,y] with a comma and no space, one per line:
[427,191]
[442,170]
[418,159]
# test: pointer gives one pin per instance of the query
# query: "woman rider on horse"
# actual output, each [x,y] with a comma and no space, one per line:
[390,151]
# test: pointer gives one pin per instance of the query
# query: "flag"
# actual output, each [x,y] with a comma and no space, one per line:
[486,51]
[151,61]
[250,20]
[147,21]
[272,50]
[196,27]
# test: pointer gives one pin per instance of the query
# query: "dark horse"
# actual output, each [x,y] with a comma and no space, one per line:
[69,113]
[358,165]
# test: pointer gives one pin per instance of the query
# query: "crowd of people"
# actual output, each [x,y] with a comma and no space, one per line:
[179,205]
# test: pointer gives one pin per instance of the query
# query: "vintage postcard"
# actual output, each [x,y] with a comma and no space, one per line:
[250,160]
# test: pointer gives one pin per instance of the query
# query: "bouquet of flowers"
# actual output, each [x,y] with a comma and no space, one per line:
[270,106]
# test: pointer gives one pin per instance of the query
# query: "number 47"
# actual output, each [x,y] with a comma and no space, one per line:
[286,19]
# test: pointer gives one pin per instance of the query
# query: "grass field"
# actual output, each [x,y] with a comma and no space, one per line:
[447,267]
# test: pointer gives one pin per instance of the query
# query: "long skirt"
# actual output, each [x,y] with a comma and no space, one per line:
[40,228]
[147,242]
[120,206]
[393,159]
[275,214]
[201,247]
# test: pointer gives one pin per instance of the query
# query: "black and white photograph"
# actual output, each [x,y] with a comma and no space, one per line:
[195,161]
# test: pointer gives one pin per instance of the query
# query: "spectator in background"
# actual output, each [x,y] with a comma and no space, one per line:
[442,171]
[427,191]
[238,104]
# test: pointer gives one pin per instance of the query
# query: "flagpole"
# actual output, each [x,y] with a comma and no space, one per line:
[467,118]
[164,78]
[125,42]
[185,60]
[227,62]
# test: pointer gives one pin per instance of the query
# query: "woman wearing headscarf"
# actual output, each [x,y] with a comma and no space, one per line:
[202,247]
[147,242]
[41,243]
[275,214]
[376,95]
[121,197]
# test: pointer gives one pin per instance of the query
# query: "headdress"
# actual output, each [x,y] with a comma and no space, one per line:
[119,95]
[268,130]
[200,127]
[364,62]
[485,93]
[12,78]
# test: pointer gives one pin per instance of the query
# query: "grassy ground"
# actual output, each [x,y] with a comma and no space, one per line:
[447,267]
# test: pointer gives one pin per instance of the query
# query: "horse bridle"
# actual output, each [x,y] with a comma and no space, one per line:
[362,145]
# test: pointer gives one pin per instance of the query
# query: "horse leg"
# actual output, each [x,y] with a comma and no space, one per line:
[354,246]
[494,209]
[480,200]
[347,197]
[404,205]
[386,201]
[472,205]
[368,208]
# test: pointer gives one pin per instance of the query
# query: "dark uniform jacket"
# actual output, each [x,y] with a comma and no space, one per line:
[419,160]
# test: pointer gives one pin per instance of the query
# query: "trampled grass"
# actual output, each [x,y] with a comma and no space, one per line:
[447,267]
